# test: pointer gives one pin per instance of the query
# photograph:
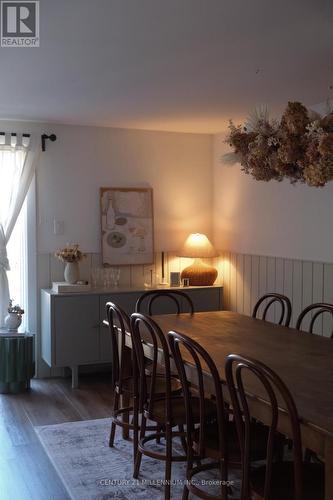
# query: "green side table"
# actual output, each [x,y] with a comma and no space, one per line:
[17,365]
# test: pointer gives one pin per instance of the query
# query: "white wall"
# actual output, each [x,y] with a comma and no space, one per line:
[273,219]
[176,166]
[83,159]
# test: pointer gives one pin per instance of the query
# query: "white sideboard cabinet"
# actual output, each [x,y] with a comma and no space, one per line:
[72,330]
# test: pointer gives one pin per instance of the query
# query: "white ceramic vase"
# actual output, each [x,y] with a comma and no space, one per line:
[13,321]
[71,273]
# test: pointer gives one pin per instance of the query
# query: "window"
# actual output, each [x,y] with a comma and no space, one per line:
[17,166]
[17,256]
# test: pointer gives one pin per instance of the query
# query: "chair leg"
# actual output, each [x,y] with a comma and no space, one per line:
[168,462]
[224,490]
[125,401]
[182,438]
[185,493]
[138,457]
[135,427]
[158,430]
[308,454]
[113,425]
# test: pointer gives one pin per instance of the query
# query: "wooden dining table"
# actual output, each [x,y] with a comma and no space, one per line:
[304,362]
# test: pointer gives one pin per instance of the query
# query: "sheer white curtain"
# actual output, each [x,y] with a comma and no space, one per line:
[18,159]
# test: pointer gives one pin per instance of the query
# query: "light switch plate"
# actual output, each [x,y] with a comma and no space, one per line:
[58,226]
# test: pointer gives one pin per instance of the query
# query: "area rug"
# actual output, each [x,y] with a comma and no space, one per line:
[91,470]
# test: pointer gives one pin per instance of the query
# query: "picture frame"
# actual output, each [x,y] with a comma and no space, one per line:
[127,226]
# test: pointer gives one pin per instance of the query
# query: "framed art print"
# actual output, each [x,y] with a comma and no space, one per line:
[127,226]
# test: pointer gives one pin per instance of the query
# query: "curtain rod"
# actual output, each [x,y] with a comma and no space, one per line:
[44,138]
[14,134]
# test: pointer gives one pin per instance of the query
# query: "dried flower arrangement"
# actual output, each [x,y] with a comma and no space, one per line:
[70,254]
[298,147]
[15,309]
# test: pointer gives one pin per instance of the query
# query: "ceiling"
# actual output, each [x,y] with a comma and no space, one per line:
[177,65]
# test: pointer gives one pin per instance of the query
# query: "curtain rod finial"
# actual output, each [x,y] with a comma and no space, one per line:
[51,137]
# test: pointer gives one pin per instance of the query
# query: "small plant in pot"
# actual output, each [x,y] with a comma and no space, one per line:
[14,317]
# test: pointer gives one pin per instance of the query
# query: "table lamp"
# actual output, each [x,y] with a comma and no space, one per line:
[198,247]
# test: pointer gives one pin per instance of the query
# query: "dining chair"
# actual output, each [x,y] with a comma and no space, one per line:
[270,299]
[124,373]
[215,439]
[275,480]
[315,310]
[145,302]
[205,441]
[167,411]
[125,377]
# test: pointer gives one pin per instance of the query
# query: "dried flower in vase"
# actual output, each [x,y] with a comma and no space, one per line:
[70,254]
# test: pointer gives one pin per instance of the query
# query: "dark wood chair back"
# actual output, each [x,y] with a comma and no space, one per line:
[119,324]
[267,301]
[146,300]
[316,310]
[180,344]
[238,370]
[146,334]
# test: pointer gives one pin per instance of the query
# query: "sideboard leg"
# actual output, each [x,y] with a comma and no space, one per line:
[75,376]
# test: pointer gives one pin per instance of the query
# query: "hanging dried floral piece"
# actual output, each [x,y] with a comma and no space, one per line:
[299,147]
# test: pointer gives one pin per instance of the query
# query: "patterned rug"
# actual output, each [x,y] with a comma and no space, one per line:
[90,470]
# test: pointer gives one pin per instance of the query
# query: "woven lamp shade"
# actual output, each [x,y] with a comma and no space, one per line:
[198,246]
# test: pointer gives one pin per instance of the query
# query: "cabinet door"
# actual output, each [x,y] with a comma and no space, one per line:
[127,302]
[76,329]
[207,299]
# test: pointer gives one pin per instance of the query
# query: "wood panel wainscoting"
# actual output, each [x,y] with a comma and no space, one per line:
[245,278]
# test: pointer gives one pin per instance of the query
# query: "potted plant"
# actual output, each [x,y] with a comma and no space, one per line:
[14,317]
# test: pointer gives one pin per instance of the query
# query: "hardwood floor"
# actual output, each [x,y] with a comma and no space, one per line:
[26,472]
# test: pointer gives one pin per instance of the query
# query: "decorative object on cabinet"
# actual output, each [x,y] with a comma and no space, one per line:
[299,147]
[14,317]
[198,246]
[174,278]
[64,287]
[127,226]
[71,255]
[163,281]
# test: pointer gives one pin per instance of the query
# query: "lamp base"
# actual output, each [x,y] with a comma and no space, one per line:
[199,274]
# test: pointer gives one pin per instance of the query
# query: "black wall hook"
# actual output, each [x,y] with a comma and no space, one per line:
[45,137]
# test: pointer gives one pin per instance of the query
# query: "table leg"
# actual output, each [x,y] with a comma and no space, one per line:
[75,376]
[328,469]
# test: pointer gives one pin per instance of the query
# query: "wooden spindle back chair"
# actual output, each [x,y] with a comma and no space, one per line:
[184,350]
[238,368]
[145,302]
[124,370]
[153,405]
[316,310]
[270,299]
